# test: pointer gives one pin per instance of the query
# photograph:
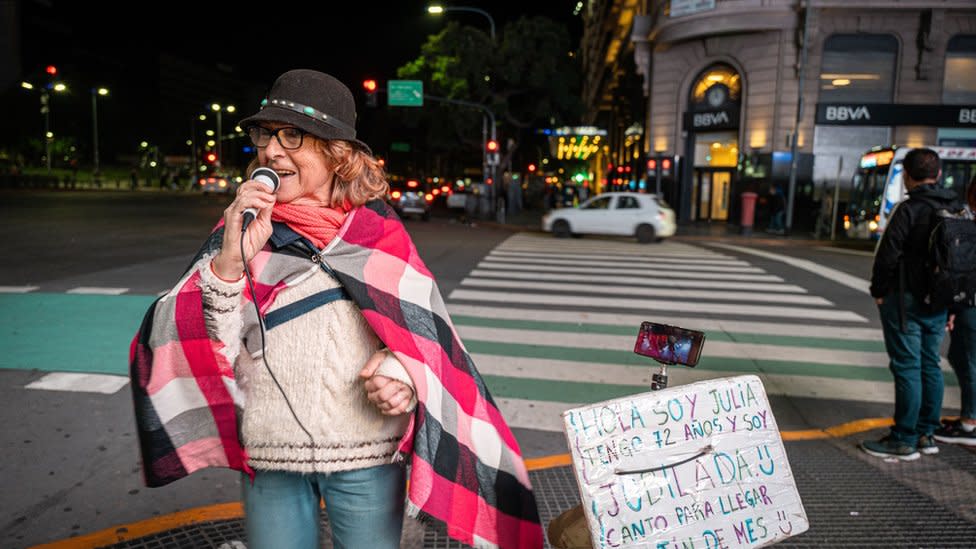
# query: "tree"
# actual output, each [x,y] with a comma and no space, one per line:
[529,78]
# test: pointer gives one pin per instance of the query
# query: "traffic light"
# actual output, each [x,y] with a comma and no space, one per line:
[531,168]
[211,158]
[370,87]
[491,147]
[51,70]
[667,163]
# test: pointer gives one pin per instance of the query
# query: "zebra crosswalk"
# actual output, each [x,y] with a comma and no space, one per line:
[551,325]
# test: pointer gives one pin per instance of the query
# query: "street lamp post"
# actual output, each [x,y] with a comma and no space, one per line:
[438,9]
[218,110]
[95,92]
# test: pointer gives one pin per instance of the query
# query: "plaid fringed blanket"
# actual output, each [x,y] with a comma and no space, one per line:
[466,467]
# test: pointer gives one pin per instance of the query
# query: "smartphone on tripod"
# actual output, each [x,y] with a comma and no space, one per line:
[669,344]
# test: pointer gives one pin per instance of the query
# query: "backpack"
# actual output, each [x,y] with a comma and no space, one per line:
[951,263]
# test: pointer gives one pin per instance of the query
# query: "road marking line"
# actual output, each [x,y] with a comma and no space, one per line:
[148,527]
[839,277]
[620,257]
[862,253]
[657,305]
[18,289]
[712,349]
[79,383]
[649,292]
[587,262]
[643,281]
[615,319]
[91,290]
[487,264]
[686,252]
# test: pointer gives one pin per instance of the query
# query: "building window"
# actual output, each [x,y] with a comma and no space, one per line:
[717,85]
[959,85]
[858,68]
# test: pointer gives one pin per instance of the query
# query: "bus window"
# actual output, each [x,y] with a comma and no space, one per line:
[956,175]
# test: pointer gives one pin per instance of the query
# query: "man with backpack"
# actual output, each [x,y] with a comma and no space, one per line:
[962,344]
[913,329]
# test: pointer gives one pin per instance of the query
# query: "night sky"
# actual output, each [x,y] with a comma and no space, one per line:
[352,40]
[116,44]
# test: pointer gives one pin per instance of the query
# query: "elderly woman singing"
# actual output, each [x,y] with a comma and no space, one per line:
[311,350]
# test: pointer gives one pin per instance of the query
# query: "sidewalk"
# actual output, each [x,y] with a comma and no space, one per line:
[851,500]
[531,220]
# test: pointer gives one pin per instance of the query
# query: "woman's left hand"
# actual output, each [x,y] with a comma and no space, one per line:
[391,396]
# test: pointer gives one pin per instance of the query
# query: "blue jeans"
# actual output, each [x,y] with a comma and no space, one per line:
[914,362]
[962,357]
[365,508]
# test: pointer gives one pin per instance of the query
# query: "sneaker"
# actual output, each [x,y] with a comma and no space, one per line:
[888,447]
[952,432]
[926,445]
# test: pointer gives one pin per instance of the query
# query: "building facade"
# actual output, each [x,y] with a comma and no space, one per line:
[723,80]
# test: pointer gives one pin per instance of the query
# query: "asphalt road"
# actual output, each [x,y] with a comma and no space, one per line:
[72,465]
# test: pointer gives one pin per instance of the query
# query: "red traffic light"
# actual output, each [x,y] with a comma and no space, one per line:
[531,168]
[666,164]
[369,85]
[492,145]
[652,164]
[51,69]
[211,157]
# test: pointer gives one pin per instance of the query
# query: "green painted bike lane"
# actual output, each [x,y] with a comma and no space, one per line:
[92,333]
[68,332]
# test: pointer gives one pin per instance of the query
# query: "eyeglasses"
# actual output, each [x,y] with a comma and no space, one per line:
[288,137]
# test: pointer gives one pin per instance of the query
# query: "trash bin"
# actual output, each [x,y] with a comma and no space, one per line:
[748,212]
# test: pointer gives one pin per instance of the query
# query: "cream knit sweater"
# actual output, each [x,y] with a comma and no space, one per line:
[316,359]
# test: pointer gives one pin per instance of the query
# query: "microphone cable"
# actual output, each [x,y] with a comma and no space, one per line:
[264,349]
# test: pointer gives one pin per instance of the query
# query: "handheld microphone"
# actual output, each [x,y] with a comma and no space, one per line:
[269,179]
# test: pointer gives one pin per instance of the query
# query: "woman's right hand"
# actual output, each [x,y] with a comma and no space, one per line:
[228,264]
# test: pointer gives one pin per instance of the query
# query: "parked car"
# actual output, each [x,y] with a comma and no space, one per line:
[643,216]
[409,197]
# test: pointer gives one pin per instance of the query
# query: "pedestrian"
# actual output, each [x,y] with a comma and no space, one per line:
[777,210]
[962,358]
[351,366]
[133,178]
[912,332]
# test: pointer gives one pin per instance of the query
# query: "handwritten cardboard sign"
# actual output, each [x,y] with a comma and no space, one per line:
[699,465]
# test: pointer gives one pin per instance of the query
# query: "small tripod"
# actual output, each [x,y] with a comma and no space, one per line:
[659,380]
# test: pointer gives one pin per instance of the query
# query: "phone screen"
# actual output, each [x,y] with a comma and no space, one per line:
[669,344]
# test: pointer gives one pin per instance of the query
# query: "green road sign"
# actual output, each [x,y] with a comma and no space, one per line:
[405,93]
[398,146]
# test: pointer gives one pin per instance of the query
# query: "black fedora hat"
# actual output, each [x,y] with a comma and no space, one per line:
[313,101]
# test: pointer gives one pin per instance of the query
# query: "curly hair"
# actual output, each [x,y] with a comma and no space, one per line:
[357,177]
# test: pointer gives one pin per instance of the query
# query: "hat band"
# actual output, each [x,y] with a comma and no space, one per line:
[310,112]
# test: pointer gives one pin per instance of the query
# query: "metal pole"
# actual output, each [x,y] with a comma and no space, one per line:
[799,115]
[833,213]
[46,111]
[220,155]
[657,173]
[95,127]
[193,151]
[491,21]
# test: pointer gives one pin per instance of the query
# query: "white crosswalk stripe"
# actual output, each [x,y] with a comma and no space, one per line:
[639,281]
[551,324]
[18,289]
[89,290]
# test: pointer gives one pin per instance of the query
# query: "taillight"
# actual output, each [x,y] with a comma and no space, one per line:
[435,192]
[445,189]
[396,195]
[428,197]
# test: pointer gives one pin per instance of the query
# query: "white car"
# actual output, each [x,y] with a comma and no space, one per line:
[643,216]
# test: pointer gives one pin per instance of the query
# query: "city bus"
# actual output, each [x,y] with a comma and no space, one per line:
[878,185]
